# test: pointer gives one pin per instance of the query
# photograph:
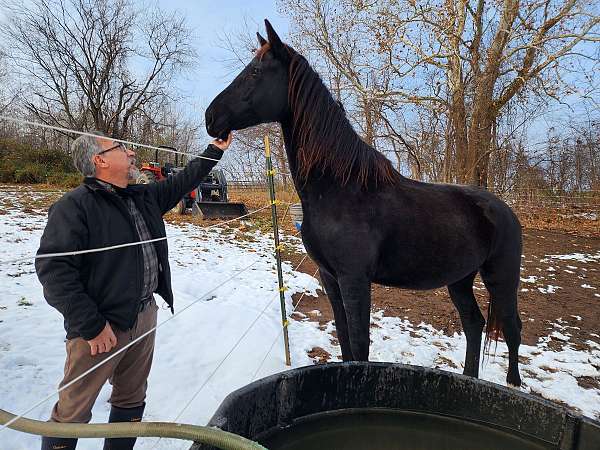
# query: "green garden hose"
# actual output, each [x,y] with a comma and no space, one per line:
[205,435]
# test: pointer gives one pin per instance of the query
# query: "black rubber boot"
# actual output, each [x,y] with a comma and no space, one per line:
[52,443]
[123,415]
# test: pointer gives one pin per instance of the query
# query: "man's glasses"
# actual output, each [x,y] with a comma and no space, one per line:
[114,147]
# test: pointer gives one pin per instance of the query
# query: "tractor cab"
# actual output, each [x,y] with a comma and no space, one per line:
[209,199]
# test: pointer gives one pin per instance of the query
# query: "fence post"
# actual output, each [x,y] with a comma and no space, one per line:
[282,288]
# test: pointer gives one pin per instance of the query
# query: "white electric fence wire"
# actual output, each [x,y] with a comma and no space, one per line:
[205,295]
[280,331]
[84,133]
[227,356]
[127,244]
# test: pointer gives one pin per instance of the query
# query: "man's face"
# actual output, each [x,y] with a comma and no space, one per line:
[115,158]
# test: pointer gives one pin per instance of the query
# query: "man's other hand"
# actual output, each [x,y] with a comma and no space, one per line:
[223,144]
[104,342]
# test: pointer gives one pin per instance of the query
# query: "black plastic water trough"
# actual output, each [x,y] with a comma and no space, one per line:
[392,406]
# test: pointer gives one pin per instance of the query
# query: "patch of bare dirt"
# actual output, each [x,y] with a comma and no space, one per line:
[319,355]
[588,382]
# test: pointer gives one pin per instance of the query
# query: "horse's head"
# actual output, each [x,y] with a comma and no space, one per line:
[259,94]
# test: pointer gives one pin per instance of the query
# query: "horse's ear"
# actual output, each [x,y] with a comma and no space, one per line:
[261,40]
[273,37]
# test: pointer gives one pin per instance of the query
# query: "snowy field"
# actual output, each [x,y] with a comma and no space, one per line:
[239,318]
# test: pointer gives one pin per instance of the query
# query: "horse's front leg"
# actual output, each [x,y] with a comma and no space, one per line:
[335,298]
[356,295]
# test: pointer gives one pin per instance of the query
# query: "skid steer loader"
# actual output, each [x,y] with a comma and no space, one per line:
[209,199]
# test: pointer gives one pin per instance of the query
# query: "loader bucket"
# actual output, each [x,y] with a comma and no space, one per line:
[219,210]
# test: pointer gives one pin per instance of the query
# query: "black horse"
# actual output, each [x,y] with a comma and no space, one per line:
[364,222]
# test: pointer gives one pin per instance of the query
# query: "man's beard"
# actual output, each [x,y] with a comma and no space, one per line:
[133,174]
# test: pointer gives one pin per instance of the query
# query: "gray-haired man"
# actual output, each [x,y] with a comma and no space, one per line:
[106,297]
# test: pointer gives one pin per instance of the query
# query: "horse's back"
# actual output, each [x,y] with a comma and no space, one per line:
[437,234]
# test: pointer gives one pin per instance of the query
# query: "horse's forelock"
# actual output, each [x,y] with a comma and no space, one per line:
[262,50]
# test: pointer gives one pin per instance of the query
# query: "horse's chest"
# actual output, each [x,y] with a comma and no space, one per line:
[312,243]
[318,244]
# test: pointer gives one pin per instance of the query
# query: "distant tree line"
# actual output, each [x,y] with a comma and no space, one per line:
[449,91]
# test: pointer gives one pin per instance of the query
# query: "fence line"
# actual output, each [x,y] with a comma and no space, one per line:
[84,133]
[90,370]
[127,244]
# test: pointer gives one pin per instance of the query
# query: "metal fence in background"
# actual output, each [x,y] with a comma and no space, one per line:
[520,199]
[583,204]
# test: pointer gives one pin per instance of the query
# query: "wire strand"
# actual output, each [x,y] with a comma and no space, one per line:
[127,244]
[227,356]
[280,331]
[85,133]
[87,372]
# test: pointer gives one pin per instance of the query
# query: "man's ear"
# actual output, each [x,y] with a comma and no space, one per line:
[98,161]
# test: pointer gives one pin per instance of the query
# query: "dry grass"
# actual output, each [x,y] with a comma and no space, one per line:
[565,219]
[549,219]
[256,197]
[558,220]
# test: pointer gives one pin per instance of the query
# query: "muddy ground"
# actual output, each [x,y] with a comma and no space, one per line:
[559,298]
[559,295]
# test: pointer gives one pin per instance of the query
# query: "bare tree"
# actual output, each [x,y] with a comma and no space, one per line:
[169,127]
[572,159]
[6,98]
[466,59]
[2,81]
[95,63]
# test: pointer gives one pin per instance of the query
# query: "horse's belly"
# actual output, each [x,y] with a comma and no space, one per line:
[431,275]
[420,284]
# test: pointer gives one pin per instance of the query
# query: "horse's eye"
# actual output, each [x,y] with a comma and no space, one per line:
[255,71]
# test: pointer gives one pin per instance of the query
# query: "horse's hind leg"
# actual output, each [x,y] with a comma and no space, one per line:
[356,295]
[472,321]
[502,284]
[335,298]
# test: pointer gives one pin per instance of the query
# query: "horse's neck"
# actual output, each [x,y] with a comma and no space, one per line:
[290,147]
[291,150]
[303,187]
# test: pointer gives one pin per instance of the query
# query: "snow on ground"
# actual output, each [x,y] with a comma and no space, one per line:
[580,257]
[189,378]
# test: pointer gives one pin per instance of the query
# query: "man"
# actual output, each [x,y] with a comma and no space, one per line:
[106,297]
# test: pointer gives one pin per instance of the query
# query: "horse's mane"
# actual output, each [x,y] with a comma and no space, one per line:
[323,135]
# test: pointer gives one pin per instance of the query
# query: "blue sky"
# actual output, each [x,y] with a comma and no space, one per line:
[202,82]
[206,19]
[209,76]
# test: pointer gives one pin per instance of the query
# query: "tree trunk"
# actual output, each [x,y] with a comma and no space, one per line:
[480,132]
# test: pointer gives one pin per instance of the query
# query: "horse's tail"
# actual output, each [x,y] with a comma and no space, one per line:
[493,326]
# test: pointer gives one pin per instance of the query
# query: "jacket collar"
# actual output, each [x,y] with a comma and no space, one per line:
[96,185]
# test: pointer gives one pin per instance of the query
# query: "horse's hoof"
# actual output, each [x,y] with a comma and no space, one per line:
[471,372]
[513,380]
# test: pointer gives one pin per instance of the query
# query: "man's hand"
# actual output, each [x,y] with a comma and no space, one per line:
[223,144]
[104,342]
